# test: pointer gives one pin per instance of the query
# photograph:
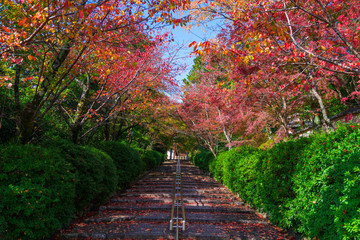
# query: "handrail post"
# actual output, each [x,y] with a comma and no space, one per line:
[177,199]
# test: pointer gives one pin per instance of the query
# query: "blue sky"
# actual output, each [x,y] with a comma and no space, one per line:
[184,37]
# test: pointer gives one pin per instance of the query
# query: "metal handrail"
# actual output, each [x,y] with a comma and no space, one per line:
[177,201]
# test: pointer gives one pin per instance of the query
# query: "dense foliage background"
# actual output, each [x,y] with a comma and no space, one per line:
[311,185]
[81,84]
[89,101]
[43,187]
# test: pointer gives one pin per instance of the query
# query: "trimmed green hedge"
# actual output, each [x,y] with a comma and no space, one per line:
[110,180]
[37,192]
[126,160]
[310,184]
[327,187]
[96,176]
[152,159]
[203,160]
[237,169]
[130,162]
[275,183]
[43,187]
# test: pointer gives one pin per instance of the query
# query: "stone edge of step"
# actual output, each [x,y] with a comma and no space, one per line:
[164,219]
[199,236]
[187,209]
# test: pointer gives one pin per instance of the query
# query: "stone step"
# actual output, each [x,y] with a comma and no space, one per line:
[149,231]
[201,202]
[186,196]
[171,185]
[191,178]
[170,190]
[172,172]
[191,208]
[112,215]
[143,211]
[151,183]
[144,230]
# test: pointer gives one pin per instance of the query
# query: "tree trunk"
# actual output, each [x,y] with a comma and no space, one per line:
[28,115]
[226,134]
[17,98]
[80,110]
[327,122]
[212,150]
[129,135]
[118,134]
[106,130]
[228,139]
[75,132]
[283,117]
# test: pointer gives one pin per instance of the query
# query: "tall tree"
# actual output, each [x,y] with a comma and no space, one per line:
[46,39]
[298,48]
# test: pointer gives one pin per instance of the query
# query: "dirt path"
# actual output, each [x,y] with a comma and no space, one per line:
[143,212]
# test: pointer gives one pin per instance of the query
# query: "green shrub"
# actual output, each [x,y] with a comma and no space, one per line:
[141,152]
[152,159]
[126,159]
[310,184]
[246,174]
[37,192]
[327,187]
[224,164]
[203,160]
[108,170]
[216,168]
[95,172]
[193,153]
[237,170]
[275,183]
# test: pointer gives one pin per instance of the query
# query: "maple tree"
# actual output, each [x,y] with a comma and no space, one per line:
[286,53]
[94,60]
[323,31]
[114,85]
[201,119]
[213,107]
[44,41]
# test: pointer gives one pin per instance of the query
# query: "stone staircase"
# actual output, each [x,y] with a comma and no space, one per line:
[143,211]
